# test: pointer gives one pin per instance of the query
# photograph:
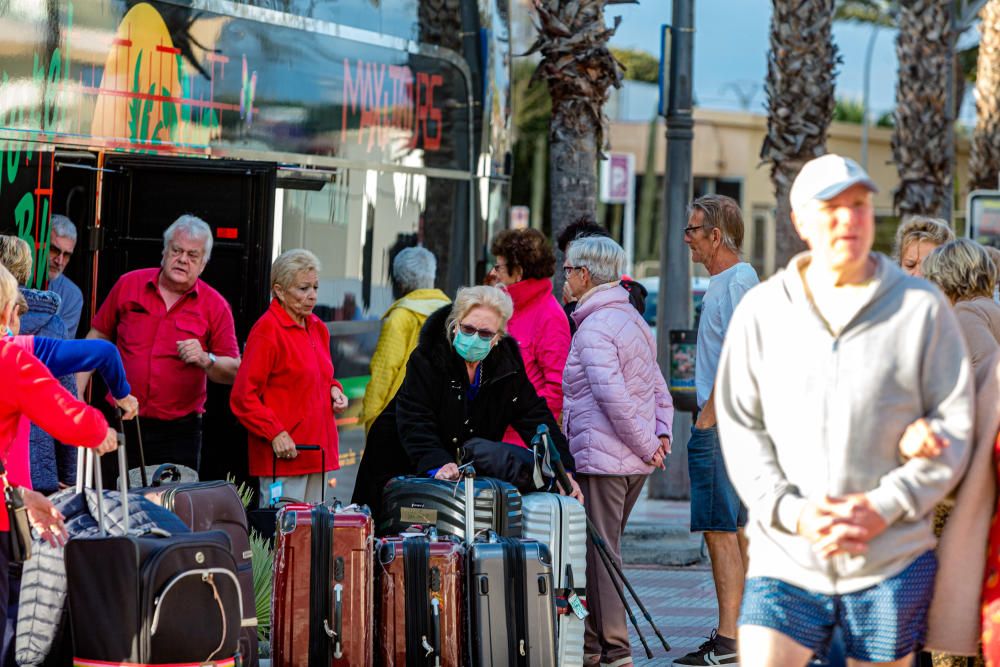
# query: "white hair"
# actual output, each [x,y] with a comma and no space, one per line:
[414,268]
[290,264]
[192,226]
[468,298]
[8,288]
[63,227]
[604,258]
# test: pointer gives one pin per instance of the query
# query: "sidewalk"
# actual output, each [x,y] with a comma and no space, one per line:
[681,599]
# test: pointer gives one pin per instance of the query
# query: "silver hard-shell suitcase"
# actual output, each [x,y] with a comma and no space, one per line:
[511,605]
[561,523]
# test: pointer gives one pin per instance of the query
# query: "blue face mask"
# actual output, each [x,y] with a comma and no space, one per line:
[7,332]
[471,347]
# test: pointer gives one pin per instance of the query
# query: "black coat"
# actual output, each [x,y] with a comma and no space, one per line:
[430,418]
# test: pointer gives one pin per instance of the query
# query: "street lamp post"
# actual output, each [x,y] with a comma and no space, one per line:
[674,298]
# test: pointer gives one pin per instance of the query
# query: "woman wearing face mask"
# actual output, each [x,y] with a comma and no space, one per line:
[465,379]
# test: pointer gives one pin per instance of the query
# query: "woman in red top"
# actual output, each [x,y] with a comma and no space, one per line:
[30,390]
[285,394]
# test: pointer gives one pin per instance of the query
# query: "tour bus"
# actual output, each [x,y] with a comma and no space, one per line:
[348,127]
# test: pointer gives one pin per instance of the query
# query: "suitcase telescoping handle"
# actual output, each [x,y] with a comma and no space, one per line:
[469,477]
[91,476]
[305,448]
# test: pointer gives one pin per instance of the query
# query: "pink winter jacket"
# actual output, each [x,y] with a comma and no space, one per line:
[540,327]
[616,402]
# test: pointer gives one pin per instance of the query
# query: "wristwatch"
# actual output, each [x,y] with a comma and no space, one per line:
[211,360]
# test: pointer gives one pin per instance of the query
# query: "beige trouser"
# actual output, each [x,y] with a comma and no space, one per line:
[308,488]
[608,501]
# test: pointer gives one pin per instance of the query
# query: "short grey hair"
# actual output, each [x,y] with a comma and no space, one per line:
[604,258]
[962,269]
[192,226]
[414,268]
[481,295]
[918,228]
[290,264]
[63,227]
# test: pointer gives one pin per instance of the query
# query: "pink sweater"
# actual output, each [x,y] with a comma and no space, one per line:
[540,327]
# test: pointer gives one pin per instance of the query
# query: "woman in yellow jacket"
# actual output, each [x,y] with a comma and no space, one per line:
[413,271]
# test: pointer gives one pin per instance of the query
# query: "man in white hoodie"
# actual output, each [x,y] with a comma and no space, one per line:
[823,368]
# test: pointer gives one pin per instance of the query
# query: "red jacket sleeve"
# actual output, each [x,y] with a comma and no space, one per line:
[46,403]
[247,399]
[553,348]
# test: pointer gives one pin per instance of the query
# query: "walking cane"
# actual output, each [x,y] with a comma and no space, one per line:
[600,544]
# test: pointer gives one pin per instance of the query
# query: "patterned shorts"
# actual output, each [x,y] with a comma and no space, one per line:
[880,624]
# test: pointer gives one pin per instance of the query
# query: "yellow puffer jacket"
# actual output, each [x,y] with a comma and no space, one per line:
[400,330]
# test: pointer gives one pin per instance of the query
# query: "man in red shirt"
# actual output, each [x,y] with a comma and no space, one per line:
[174,333]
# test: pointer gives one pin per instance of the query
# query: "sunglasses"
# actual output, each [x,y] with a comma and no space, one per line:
[485,334]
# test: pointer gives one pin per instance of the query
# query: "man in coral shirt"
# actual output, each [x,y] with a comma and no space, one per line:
[174,333]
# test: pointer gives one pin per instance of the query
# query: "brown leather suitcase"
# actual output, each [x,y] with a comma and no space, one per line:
[217,506]
[420,601]
[323,591]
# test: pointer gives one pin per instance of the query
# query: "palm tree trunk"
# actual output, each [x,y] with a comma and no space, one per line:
[921,139]
[801,69]
[984,162]
[572,166]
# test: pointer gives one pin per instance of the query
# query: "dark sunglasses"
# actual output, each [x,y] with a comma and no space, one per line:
[485,334]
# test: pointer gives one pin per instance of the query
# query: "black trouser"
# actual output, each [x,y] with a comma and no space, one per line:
[174,441]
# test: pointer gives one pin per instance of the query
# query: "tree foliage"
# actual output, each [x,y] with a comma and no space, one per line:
[638,65]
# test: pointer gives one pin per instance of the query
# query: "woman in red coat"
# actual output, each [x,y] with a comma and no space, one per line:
[30,390]
[285,394]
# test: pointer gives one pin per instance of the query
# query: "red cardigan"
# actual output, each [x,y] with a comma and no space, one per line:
[284,384]
[30,390]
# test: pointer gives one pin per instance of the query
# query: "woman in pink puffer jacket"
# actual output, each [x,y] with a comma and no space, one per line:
[617,415]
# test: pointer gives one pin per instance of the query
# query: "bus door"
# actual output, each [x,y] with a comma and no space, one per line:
[141,197]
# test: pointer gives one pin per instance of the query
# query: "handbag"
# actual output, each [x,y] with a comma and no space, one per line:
[17,519]
[527,468]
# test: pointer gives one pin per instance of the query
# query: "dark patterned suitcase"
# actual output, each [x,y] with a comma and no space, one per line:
[424,501]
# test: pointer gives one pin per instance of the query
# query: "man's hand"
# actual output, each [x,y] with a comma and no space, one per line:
[339,399]
[841,525]
[920,440]
[191,352]
[110,443]
[45,518]
[129,406]
[284,446]
[447,471]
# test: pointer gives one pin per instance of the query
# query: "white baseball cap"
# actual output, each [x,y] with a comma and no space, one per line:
[826,177]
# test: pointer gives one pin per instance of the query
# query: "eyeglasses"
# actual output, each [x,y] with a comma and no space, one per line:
[498,267]
[485,334]
[570,269]
[690,230]
[193,255]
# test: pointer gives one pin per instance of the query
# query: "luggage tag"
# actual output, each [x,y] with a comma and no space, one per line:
[572,598]
[275,492]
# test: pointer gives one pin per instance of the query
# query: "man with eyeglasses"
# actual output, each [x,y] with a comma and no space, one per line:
[174,333]
[62,243]
[715,236]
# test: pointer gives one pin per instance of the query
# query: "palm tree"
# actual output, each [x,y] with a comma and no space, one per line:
[579,70]
[801,68]
[921,139]
[984,162]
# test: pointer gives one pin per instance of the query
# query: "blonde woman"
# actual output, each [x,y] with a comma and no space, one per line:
[465,379]
[916,238]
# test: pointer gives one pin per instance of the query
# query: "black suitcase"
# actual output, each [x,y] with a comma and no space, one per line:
[509,595]
[154,599]
[409,501]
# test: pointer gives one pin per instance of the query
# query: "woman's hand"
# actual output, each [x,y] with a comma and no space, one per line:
[110,443]
[284,446]
[45,518]
[919,439]
[339,399]
[567,293]
[575,491]
[129,406]
[447,471]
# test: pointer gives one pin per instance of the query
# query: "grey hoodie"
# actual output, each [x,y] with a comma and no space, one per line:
[803,414]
